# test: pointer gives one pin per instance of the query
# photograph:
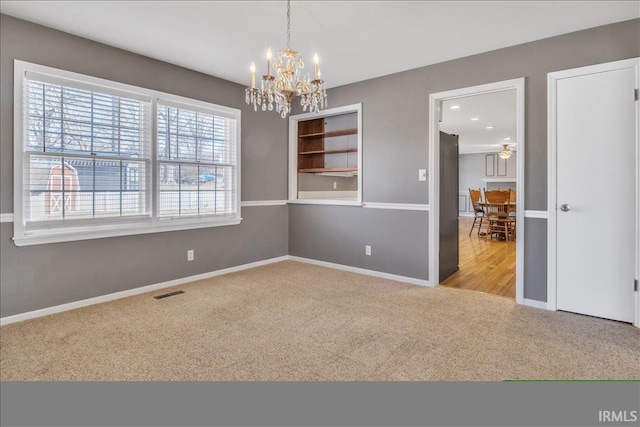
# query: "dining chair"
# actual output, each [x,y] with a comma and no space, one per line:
[497,213]
[497,196]
[478,211]
[512,211]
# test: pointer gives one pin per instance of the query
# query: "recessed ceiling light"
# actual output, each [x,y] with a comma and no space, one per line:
[475,118]
[508,138]
[489,127]
[455,107]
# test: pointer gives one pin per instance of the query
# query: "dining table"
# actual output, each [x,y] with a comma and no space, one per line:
[499,207]
[509,207]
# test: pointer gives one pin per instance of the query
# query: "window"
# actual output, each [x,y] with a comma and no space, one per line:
[86,154]
[95,158]
[196,162]
[325,156]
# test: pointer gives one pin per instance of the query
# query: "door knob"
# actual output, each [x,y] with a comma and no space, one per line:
[565,208]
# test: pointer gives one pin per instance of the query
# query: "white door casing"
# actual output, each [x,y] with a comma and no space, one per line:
[435,100]
[593,190]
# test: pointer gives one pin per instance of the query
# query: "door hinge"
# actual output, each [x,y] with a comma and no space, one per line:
[635,285]
[635,94]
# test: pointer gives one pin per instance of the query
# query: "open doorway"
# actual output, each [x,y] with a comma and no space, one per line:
[485,162]
[486,223]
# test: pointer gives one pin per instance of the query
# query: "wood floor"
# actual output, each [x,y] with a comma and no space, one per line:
[485,265]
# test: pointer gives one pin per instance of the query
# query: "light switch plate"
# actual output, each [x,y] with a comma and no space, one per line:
[422,174]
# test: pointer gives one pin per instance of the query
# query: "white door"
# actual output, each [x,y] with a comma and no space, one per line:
[596,192]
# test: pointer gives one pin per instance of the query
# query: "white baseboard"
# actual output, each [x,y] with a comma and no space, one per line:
[534,303]
[130,292]
[467,214]
[374,273]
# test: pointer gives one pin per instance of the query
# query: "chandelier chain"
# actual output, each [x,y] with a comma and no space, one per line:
[288,24]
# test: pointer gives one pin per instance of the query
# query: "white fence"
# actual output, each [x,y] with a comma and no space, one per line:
[128,203]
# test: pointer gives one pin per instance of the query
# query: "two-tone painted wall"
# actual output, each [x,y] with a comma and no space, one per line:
[42,276]
[395,146]
[395,135]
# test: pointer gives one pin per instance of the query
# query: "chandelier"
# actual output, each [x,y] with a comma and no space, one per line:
[505,153]
[277,91]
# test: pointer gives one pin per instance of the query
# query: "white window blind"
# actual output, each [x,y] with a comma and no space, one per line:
[95,158]
[196,152]
[86,154]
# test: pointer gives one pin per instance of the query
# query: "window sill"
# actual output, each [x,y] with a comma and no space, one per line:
[325,202]
[41,237]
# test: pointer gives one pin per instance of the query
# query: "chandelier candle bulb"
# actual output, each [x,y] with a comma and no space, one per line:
[269,56]
[316,60]
[253,75]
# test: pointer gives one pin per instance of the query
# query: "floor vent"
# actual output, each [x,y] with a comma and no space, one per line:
[170,294]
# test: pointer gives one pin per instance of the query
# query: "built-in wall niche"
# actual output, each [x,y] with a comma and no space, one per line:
[325,155]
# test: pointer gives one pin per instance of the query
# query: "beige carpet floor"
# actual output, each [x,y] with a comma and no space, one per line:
[293,321]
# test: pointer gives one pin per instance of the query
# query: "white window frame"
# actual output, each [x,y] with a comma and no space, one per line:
[293,154]
[122,227]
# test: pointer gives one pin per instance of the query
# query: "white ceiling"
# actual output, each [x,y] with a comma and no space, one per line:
[356,40]
[497,109]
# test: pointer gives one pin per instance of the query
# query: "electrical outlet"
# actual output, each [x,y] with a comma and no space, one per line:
[367,250]
[190,254]
[422,174]
[335,185]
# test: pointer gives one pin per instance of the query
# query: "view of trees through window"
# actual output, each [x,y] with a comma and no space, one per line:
[196,157]
[89,155]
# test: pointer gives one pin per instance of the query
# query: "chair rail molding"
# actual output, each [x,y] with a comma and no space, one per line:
[6,217]
[398,206]
[536,214]
[251,203]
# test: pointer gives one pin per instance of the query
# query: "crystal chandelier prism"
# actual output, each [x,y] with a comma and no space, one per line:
[505,153]
[277,90]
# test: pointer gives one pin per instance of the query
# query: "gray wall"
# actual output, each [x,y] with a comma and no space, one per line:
[395,147]
[45,275]
[41,276]
[535,264]
[472,170]
[398,239]
[396,129]
[395,107]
